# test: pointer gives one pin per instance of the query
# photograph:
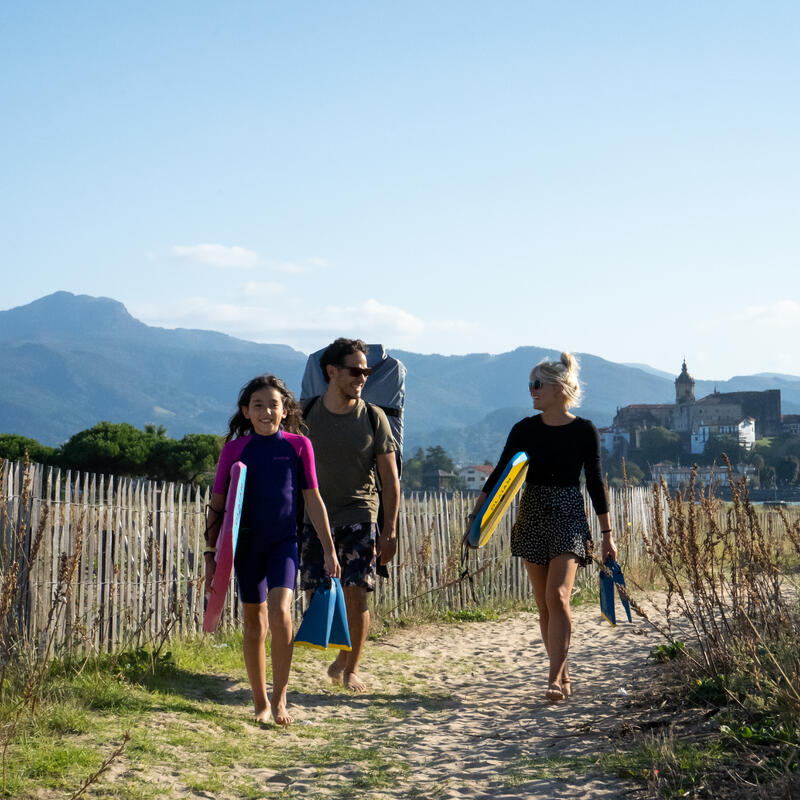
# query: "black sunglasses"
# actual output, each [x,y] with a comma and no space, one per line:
[356,371]
[537,384]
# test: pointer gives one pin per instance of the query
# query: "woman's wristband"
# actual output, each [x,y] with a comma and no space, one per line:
[607,530]
[209,551]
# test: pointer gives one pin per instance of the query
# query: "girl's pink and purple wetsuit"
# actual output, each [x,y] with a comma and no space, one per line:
[278,467]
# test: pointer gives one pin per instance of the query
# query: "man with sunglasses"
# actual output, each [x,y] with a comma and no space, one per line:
[355,454]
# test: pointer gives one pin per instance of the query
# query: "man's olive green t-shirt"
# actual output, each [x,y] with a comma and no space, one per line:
[345,450]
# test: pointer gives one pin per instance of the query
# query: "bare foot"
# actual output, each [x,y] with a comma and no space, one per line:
[354,683]
[336,669]
[280,714]
[554,693]
[335,673]
[263,715]
[566,687]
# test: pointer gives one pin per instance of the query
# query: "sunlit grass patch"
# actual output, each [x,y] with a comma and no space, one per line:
[51,763]
[471,614]
[524,770]
[669,766]
[146,744]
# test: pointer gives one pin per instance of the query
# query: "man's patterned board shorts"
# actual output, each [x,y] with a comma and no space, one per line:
[355,549]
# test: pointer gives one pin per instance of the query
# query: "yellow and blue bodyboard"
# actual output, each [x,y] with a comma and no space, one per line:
[498,501]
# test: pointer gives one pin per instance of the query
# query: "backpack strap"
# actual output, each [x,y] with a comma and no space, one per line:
[373,420]
[373,417]
[309,404]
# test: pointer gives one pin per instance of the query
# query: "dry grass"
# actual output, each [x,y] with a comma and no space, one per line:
[25,662]
[731,621]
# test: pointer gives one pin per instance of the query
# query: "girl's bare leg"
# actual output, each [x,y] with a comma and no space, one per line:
[279,602]
[255,634]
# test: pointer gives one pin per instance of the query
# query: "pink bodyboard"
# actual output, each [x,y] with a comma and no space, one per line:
[226,548]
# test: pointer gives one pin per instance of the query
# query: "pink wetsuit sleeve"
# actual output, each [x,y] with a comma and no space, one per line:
[305,455]
[230,453]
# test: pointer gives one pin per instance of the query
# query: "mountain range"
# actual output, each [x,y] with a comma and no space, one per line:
[69,361]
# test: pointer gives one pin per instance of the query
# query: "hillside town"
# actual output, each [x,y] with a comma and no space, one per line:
[737,414]
[732,418]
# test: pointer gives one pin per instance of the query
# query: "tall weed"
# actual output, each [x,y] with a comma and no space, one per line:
[732,596]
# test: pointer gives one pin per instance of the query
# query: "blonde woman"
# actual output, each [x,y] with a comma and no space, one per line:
[551,533]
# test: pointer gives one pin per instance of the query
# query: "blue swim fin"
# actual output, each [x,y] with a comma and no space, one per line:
[315,628]
[619,580]
[607,597]
[340,633]
[607,594]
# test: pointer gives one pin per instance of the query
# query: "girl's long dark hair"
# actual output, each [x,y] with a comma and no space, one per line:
[239,425]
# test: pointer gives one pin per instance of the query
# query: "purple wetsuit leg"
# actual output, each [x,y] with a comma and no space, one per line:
[259,570]
[282,565]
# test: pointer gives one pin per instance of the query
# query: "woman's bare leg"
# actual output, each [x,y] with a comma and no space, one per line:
[279,603]
[561,573]
[255,634]
[537,575]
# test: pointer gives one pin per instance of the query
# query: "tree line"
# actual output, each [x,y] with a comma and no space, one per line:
[118,448]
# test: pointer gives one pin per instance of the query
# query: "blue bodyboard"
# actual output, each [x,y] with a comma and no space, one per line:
[324,624]
[607,592]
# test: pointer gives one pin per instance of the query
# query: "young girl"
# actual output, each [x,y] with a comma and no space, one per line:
[264,435]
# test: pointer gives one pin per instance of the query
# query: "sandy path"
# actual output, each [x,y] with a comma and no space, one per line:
[491,733]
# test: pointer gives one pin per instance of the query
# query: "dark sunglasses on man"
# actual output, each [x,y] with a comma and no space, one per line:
[356,371]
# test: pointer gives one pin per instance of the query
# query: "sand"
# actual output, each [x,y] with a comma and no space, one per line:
[452,711]
[492,734]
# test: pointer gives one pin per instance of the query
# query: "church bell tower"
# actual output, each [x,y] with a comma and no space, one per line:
[684,387]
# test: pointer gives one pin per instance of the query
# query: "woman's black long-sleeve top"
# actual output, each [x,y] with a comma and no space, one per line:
[557,454]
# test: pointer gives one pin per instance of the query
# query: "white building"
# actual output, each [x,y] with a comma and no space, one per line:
[613,439]
[678,477]
[475,475]
[744,432]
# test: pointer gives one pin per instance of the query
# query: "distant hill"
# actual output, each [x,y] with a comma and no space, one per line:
[466,400]
[69,361]
[651,370]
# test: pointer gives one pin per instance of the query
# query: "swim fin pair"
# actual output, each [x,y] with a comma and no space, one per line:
[607,592]
[324,624]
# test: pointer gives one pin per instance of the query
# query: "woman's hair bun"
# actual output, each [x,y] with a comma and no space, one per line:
[571,363]
[564,372]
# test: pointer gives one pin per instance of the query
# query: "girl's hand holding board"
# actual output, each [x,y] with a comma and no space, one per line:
[214,514]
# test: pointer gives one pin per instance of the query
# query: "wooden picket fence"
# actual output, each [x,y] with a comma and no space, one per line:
[120,560]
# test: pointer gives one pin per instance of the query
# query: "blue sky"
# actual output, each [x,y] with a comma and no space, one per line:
[614,178]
